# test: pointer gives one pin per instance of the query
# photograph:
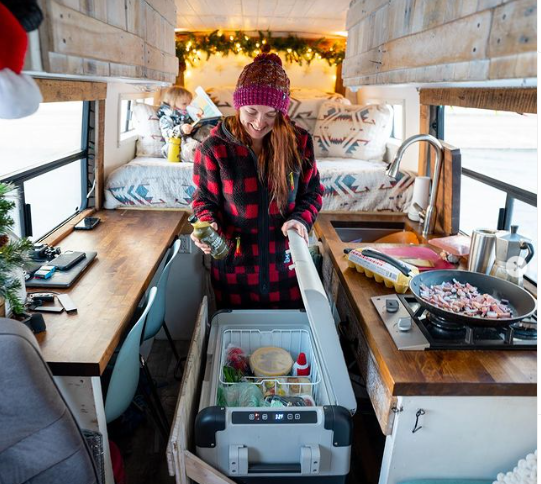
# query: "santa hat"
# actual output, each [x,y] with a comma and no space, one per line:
[19,94]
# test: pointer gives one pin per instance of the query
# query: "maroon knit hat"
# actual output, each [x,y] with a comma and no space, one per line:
[264,83]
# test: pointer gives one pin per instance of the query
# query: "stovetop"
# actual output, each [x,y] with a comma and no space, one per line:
[414,328]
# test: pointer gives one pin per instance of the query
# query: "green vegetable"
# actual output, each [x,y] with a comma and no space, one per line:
[231,375]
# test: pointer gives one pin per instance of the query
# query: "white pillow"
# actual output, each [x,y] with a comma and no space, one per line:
[147,126]
[359,132]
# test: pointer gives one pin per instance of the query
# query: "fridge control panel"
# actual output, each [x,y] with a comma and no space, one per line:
[274,417]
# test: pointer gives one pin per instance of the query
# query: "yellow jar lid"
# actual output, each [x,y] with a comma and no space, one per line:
[271,361]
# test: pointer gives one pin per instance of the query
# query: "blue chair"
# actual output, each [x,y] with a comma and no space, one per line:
[125,374]
[156,316]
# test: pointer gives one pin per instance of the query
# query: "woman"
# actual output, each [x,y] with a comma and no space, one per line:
[256,178]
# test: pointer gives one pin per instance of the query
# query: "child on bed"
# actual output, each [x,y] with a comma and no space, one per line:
[175,121]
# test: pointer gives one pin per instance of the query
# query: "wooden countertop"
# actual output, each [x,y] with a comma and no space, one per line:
[130,245]
[451,372]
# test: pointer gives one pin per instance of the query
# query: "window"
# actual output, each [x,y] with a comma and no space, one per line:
[127,102]
[45,156]
[499,170]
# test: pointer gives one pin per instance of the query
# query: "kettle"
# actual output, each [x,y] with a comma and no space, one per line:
[509,264]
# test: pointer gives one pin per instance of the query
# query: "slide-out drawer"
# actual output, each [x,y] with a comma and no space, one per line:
[182,463]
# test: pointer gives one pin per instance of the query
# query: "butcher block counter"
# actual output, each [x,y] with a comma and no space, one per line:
[441,373]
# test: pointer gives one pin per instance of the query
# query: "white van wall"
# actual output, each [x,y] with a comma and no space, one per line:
[221,71]
[116,152]
[185,291]
[409,98]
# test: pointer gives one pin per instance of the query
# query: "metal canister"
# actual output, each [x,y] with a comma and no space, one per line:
[482,250]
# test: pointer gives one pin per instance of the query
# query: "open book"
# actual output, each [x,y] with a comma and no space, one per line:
[202,108]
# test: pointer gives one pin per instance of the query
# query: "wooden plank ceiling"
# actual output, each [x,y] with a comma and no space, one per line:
[317,17]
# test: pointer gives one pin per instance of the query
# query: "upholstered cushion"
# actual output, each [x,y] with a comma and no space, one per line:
[303,109]
[306,104]
[146,123]
[223,98]
[359,132]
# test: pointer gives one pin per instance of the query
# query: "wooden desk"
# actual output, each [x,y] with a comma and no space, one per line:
[130,245]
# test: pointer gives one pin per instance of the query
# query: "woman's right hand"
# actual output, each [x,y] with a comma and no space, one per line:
[204,247]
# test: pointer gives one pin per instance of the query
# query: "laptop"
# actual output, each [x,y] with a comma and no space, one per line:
[63,279]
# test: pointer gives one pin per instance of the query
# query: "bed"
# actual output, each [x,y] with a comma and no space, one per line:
[350,143]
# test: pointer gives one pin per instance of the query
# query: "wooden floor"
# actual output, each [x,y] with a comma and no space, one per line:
[143,451]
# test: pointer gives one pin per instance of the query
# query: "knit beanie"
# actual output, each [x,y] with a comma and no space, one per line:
[263,83]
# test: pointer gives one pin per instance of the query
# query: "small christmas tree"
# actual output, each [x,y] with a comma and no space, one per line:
[14,251]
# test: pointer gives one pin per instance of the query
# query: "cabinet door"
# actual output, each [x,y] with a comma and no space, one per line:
[187,404]
[383,402]
[458,437]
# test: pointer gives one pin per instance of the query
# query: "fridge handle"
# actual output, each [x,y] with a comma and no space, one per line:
[310,457]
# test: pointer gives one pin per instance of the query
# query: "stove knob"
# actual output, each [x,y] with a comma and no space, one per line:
[391,305]
[404,324]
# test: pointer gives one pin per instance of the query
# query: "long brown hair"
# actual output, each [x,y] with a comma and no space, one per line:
[278,159]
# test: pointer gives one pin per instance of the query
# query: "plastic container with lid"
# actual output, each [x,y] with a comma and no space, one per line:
[271,361]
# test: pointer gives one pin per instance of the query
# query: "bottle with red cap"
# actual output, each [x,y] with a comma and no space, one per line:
[301,366]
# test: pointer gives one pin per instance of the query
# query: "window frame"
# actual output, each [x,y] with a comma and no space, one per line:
[93,95]
[521,100]
[129,136]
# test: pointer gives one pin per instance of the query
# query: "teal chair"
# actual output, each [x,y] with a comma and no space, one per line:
[125,373]
[448,481]
[156,316]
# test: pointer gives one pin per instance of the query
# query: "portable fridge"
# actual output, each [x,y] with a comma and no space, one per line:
[297,444]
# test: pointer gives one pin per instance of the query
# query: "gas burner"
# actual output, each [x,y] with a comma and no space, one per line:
[427,331]
[443,323]
[525,330]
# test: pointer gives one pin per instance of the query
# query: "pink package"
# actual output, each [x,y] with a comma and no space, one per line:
[455,244]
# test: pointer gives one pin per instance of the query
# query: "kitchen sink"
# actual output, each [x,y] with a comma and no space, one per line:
[367,231]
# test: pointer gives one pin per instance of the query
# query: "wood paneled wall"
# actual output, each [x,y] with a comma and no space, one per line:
[132,39]
[424,41]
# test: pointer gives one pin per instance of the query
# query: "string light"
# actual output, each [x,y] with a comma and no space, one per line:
[190,48]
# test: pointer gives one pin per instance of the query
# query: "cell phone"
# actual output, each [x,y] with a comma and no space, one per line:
[48,309]
[88,223]
[45,272]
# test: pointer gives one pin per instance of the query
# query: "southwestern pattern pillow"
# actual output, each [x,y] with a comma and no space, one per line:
[147,126]
[359,132]
[303,109]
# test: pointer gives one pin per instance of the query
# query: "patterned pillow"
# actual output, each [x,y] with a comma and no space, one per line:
[303,109]
[223,98]
[306,103]
[359,132]
[147,126]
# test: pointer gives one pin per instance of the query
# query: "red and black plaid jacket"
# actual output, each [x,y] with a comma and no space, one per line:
[256,272]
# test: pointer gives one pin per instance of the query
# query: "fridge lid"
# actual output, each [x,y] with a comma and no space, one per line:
[321,320]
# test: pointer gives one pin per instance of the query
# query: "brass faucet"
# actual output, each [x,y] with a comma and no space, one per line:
[429,216]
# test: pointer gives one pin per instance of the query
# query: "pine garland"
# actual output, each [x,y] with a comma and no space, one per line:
[191,48]
[14,254]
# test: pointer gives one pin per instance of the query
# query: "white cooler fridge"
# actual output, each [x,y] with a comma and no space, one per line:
[297,444]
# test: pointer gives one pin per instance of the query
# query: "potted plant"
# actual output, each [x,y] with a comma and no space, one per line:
[14,252]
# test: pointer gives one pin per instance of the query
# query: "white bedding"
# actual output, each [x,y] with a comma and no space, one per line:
[349,185]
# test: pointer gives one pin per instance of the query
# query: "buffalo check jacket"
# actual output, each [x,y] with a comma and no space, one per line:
[255,273]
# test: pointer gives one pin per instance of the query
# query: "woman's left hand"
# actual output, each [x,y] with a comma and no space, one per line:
[297,227]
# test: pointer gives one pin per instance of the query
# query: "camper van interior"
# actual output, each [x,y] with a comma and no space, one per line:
[412,358]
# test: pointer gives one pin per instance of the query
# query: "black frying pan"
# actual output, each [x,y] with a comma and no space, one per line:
[521,301]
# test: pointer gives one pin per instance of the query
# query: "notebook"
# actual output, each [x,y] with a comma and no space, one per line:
[66,278]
